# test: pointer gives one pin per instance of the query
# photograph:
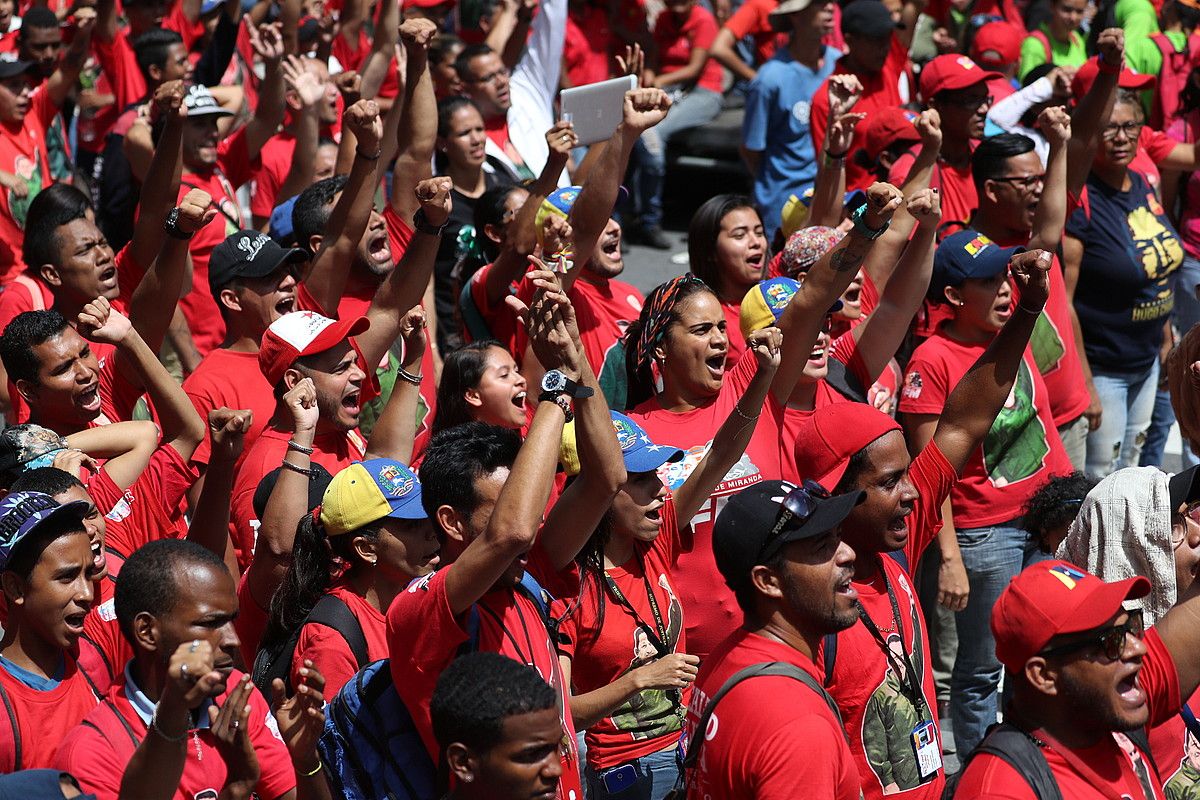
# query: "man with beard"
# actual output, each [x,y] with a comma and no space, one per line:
[777,546]
[1087,680]
[183,719]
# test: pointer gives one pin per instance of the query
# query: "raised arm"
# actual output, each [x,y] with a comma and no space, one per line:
[160,187]
[829,189]
[305,86]
[1095,108]
[735,433]
[802,321]
[1050,218]
[510,29]
[417,133]
[518,512]
[601,469]
[60,84]
[210,518]
[267,42]
[125,446]
[326,278]
[396,429]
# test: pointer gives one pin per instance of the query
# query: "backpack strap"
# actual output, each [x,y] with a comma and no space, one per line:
[333,612]
[1041,36]
[1015,747]
[16,729]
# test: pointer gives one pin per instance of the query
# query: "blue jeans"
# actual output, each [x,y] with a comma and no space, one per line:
[1128,407]
[1160,427]
[992,557]
[695,108]
[657,774]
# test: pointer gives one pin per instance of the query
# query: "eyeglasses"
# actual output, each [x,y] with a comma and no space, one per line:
[503,72]
[1025,183]
[975,101]
[797,507]
[1111,642]
[1179,532]
[1132,131]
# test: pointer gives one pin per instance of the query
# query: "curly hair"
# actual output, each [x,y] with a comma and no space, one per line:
[1055,505]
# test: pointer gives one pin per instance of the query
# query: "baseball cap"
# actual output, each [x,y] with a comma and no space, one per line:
[22,512]
[743,527]
[1051,598]
[766,301]
[794,215]
[281,229]
[318,482]
[558,203]
[997,44]
[806,246]
[886,126]
[832,434]
[369,491]
[868,18]
[637,450]
[302,333]
[200,103]
[967,254]
[1184,487]
[789,7]
[27,446]
[37,784]
[11,66]
[1085,76]
[949,72]
[209,6]
[248,254]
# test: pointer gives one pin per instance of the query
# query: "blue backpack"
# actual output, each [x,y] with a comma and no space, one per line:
[371,747]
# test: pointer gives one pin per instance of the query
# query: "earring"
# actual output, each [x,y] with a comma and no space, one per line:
[468,778]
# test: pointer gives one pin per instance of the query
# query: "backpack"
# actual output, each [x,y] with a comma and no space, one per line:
[1172,79]
[829,652]
[276,662]
[765,668]
[1017,749]
[371,748]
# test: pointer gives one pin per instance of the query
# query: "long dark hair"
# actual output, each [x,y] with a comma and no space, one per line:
[660,310]
[703,232]
[316,559]
[446,109]
[462,370]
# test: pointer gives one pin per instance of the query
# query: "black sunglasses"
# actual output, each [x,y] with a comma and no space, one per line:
[1111,642]
[797,507]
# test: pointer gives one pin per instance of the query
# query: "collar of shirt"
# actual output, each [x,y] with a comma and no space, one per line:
[144,706]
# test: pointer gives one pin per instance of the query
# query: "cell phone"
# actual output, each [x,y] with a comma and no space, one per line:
[618,779]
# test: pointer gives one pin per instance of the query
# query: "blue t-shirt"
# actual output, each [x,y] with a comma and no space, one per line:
[1124,294]
[776,123]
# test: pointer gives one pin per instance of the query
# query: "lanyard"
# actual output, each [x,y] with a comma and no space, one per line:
[905,675]
[1089,773]
[527,659]
[660,640]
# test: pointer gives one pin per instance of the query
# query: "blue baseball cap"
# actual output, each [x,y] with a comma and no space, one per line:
[965,255]
[22,512]
[637,450]
[369,491]
[281,228]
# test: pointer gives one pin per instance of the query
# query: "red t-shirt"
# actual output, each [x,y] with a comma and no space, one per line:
[753,18]
[43,718]
[646,723]
[1153,147]
[733,332]
[110,650]
[226,379]
[771,738]
[711,610]
[957,188]
[23,154]
[877,712]
[119,76]
[1103,770]
[1020,452]
[677,39]
[327,648]
[587,45]
[333,451]
[498,318]
[423,637]
[275,161]
[1168,744]
[891,87]
[150,509]
[97,751]
[251,621]
[233,169]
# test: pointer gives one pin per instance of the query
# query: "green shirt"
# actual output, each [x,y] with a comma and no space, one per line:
[1072,53]
[1137,18]
[1143,55]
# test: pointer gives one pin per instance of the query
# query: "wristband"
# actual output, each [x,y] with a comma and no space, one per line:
[163,734]
[306,472]
[861,226]
[408,377]
[837,156]
[299,448]
[423,225]
[1035,312]
[565,404]
[1108,69]
[316,769]
[365,157]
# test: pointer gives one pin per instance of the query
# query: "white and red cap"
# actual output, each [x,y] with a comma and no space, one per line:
[302,333]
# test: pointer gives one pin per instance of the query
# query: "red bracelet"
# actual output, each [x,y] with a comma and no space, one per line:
[1107,69]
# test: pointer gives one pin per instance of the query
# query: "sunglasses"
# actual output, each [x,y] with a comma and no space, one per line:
[797,507]
[1110,642]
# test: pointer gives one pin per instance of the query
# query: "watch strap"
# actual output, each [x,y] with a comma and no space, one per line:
[423,225]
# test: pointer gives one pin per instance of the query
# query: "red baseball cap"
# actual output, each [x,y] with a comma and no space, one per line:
[1085,76]
[302,333]
[886,126]
[997,44]
[832,434]
[1050,598]
[951,71]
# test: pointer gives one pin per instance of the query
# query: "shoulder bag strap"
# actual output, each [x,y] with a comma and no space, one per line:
[333,612]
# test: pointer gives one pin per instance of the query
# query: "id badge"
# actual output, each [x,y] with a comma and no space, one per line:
[925,745]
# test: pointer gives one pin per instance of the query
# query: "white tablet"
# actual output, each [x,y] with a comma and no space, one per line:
[596,109]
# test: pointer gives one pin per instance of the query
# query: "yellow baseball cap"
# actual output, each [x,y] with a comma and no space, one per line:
[369,491]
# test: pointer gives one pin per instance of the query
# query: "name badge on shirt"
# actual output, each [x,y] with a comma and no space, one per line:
[925,745]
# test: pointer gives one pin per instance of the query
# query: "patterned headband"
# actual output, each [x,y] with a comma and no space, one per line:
[658,316]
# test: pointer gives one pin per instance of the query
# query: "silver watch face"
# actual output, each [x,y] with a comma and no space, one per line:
[554,381]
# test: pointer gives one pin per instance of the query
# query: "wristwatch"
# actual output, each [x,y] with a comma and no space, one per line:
[171,226]
[860,224]
[420,223]
[555,383]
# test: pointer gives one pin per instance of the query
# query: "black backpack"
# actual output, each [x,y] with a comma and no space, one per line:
[277,661]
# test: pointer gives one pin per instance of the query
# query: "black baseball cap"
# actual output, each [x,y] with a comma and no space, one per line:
[868,18]
[11,66]
[1184,487]
[744,525]
[318,482]
[248,254]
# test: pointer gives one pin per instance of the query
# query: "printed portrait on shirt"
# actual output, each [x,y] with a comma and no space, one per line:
[890,716]
[1015,447]
[1184,783]
[652,712]
[29,171]
[1158,248]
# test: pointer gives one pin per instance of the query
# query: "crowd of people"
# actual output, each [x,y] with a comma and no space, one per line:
[343,458]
